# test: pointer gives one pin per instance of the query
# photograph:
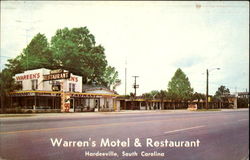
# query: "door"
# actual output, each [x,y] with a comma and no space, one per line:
[72,105]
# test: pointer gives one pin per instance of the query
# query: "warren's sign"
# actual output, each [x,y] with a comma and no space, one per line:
[74,79]
[28,76]
[64,75]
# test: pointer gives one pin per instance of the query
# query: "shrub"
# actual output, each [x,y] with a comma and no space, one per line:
[29,111]
[242,103]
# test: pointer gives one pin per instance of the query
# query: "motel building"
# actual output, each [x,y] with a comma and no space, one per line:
[44,90]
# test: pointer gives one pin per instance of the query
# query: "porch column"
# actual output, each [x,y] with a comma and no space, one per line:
[10,102]
[34,107]
[235,103]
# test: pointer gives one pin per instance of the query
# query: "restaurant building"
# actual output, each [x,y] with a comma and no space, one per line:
[45,90]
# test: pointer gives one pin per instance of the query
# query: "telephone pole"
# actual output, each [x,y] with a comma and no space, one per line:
[207,90]
[135,85]
[207,73]
[125,77]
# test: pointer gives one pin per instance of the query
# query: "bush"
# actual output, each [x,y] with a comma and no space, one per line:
[106,110]
[242,103]
[29,111]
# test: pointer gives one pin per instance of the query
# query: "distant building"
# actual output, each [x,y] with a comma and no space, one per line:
[233,98]
[59,91]
[243,94]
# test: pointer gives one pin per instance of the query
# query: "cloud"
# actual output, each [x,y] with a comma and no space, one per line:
[186,62]
[156,38]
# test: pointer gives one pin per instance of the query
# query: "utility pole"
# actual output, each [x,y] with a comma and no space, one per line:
[236,96]
[135,85]
[125,77]
[27,59]
[207,91]
[207,85]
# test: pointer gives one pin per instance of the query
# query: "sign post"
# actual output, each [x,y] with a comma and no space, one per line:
[56,75]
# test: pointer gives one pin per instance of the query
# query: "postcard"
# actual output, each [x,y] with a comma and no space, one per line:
[124,80]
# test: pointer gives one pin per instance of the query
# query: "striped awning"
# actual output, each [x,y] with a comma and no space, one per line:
[53,93]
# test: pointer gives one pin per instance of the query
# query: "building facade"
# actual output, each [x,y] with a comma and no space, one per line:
[37,80]
[44,90]
[139,103]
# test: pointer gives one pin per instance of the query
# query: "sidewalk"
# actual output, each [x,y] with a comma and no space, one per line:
[85,114]
[238,109]
[92,114]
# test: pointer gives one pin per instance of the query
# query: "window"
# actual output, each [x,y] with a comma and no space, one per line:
[19,85]
[107,104]
[96,103]
[34,84]
[72,87]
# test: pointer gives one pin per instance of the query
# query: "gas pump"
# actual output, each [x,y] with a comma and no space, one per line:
[67,104]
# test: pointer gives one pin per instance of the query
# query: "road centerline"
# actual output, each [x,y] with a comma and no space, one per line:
[89,126]
[184,129]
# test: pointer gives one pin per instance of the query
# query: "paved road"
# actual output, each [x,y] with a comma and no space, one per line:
[221,135]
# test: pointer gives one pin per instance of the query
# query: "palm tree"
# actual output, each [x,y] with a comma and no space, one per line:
[147,97]
[162,95]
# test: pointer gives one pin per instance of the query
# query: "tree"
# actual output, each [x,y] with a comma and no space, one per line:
[155,94]
[117,83]
[148,96]
[36,55]
[110,77]
[7,85]
[179,87]
[198,96]
[222,90]
[162,94]
[75,50]
[14,65]
[242,102]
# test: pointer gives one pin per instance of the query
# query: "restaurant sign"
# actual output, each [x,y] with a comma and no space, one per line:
[55,76]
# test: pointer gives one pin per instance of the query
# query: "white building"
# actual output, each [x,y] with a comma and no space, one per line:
[59,91]
[35,80]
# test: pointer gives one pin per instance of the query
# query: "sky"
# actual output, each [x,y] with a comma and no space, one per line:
[151,39]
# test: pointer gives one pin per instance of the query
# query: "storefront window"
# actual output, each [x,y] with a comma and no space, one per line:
[34,84]
[72,87]
[107,104]
[96,103]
